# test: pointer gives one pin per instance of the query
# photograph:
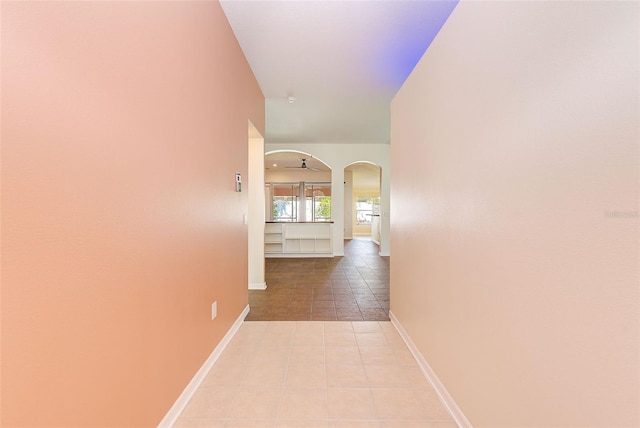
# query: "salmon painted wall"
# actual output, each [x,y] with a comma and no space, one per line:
[515,241]
[123,124]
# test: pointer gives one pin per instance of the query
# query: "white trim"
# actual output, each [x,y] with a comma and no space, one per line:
[260,286]
[446,398]
[299,255]
[176,410]
[384,253]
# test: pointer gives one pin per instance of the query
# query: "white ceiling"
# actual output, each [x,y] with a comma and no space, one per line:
[344,61]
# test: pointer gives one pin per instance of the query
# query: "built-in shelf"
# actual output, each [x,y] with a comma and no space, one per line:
[298,240]
[272,238]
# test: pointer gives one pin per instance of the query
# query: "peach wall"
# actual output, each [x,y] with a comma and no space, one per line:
[515,241]
[123,124]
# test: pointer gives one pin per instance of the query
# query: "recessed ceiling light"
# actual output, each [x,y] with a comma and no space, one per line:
[291,100]
[275,164]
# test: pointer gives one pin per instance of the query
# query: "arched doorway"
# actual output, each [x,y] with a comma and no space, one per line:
[289,177]
[362,201]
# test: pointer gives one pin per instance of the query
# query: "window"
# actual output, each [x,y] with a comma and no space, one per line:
[318,201]
[366,207]
[288,206]
[285,202]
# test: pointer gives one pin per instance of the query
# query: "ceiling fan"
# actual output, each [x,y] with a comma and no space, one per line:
[304,166]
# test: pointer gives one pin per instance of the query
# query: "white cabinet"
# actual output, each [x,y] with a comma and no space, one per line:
[298,240]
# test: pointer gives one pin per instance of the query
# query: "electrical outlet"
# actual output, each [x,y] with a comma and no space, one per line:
[214,310]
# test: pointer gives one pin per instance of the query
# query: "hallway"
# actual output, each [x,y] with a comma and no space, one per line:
[506,134]
[350,288]
[315,374]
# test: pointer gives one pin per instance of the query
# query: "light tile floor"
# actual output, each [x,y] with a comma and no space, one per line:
[315,374]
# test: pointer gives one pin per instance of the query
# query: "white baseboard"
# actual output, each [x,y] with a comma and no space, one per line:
[176,410]
[300,255]
[446,399]
[261,286]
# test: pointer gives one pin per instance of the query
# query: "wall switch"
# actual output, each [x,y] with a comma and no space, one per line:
[214,310]
[238,182]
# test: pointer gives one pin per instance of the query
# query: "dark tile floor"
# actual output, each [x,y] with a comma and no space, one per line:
[350,288]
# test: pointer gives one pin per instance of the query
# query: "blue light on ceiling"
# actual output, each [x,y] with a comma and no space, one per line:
[400,55]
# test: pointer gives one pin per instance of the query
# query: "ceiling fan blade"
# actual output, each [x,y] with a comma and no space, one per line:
[311,168]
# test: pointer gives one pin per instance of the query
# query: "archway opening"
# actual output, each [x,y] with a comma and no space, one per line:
[297,188]
[362,201]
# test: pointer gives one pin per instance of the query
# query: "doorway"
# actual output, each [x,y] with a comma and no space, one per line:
[362,181]
[353,287]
